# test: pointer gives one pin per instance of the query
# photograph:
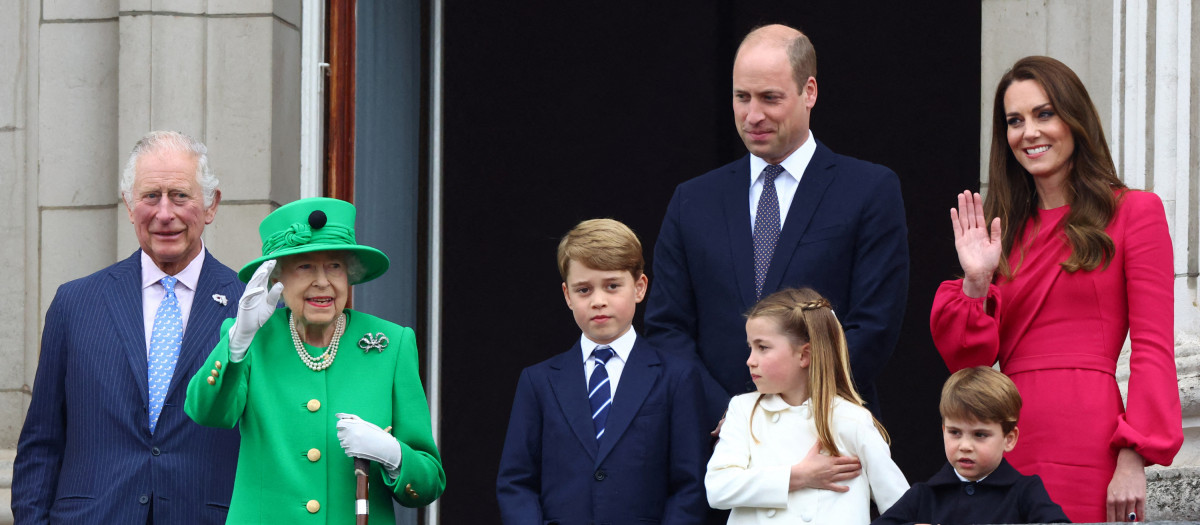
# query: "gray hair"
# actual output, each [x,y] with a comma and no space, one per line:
[170,141]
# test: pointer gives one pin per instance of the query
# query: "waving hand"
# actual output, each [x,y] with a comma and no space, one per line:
[978,245]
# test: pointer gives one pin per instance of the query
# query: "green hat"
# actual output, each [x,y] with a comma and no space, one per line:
[314,225]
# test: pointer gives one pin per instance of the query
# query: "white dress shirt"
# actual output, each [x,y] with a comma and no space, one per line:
[622,346]
[785,183]
[750,474]
[153,291]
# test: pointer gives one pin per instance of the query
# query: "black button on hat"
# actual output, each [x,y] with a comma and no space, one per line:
[317,219]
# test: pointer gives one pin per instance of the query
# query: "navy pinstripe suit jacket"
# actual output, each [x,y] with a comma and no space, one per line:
[86,454]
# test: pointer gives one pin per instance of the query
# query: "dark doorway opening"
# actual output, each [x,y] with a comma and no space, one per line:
[555,113]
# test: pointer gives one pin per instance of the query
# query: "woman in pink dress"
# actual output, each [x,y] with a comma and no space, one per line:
[1059,264]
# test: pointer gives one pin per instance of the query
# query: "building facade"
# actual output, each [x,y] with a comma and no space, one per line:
[91,76]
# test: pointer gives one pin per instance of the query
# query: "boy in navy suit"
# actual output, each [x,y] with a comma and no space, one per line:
[980,408]
[609,431]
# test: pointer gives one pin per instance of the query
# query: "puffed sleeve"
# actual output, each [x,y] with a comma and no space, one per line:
[1152,423]
[730,481]
[966,330]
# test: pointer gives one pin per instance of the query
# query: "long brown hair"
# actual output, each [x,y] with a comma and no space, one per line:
[1091,179]
[806,317]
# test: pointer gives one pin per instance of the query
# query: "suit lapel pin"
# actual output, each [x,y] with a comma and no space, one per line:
[220,299]
[377,342]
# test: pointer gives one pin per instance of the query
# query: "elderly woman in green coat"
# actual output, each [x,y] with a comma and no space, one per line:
[315,385]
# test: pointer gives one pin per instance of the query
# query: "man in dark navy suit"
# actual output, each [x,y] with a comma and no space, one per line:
[791,213]
[106,439]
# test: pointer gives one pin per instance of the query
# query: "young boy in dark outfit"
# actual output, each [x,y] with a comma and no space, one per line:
[610,431]
[980,408]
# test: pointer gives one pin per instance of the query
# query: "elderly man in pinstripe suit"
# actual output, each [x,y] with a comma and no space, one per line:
[106,439]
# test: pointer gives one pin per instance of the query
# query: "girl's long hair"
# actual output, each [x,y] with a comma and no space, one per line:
[806,317]
[1091,179]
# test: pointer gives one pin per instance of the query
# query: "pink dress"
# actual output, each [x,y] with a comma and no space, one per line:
[1058,335]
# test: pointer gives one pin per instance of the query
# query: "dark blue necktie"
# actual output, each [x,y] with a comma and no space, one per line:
[599,391]
[766,227]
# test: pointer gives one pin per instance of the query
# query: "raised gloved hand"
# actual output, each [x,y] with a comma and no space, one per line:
[255,307]
[363,439]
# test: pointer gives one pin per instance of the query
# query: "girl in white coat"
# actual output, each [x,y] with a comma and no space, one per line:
[805,401]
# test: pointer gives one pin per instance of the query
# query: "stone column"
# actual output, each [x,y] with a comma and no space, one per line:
[1172,81]
[88,77]
[16,213]
[1139,61]
[228,73]
[57,149]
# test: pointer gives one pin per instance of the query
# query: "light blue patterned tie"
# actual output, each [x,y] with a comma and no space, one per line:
[599,391]
[766,227]
[165,339]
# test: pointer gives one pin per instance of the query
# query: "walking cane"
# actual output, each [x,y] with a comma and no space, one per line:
[362,469]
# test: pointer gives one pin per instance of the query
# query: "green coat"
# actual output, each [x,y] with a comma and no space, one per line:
[286,412]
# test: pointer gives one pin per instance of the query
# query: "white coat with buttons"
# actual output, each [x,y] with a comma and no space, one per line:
[751,477]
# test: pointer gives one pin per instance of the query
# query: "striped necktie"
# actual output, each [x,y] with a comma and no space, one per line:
[599,391]
[165,339]
[766,227]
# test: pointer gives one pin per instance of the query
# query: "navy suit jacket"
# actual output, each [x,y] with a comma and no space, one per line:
[1004,496]
[86,454]
[845,236]
[649,466]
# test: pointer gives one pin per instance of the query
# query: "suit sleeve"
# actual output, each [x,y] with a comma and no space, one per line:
[1036,505]
[966,330]
[879,281]
[671,314]
[1152,422]
[689,448]
[671,311]
[221,403]
[40,447]
[731,481]
[421,464]
[519,482]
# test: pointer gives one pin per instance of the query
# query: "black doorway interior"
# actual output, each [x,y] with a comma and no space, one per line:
[555,113]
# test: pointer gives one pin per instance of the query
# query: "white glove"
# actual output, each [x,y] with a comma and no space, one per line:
[363,439]
[255,307]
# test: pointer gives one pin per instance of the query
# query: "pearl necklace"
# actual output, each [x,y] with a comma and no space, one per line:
[322,361]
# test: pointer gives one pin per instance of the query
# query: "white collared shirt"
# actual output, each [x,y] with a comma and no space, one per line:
[785,183]
[153,291]
[622,346]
